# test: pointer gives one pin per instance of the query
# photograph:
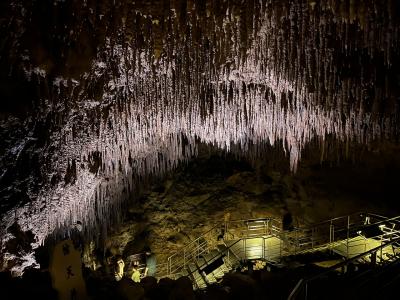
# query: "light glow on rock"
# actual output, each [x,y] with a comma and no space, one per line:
[271,77]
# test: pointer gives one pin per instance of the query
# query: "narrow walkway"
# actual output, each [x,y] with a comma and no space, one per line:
[208,258]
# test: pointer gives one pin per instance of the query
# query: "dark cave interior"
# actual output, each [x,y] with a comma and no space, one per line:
[199,149]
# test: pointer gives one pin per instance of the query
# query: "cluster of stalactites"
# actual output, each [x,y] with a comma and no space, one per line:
[260,72]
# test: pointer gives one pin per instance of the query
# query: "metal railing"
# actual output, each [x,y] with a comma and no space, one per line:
[259,249]
[231,230]
[302,291]
[192,251]
[325,234]
[328,233]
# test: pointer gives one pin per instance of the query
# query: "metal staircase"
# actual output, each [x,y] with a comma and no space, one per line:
[221,249]
[371,281]
[227,244]
[374,248]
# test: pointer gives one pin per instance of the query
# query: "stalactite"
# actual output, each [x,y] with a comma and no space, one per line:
[264,73]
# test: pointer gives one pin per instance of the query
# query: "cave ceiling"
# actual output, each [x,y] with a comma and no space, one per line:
[96,96]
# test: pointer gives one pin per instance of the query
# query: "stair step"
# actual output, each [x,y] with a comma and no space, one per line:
[191,267]
[221,247]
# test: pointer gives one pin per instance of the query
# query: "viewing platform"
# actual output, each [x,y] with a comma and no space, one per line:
[359,238]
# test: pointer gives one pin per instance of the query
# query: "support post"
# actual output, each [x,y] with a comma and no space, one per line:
[169,267]
[306,291]
[263,248]
[348,236]
[312,238]
[331,238]
[184,258]
[264,228]
[244,248]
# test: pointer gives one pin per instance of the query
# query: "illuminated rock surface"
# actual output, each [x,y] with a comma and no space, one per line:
[191,200]
[99,96]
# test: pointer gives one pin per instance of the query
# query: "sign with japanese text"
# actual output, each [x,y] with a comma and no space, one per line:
[66,272]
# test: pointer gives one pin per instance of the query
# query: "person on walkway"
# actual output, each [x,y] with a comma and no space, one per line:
[150,263]
[373,258]
[119,272]
[287,220]
[367,220]
[135,273]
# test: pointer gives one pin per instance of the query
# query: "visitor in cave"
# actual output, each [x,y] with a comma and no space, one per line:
[367,218]
[221,235]
[135,272]
[223,134]
[373,258]
[151,263]
[287,221]
[119,270]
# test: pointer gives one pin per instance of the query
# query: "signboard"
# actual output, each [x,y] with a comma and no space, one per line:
[66,272]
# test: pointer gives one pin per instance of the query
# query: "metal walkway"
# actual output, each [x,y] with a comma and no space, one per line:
[228,244]
[377,246]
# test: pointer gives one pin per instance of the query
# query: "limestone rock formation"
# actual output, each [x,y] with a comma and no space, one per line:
[100,96]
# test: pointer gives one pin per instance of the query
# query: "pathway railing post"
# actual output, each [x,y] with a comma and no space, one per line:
[265,227]
[312,238]
[198,249]
[169,267]
[184,258]
[244,248]
[348,236]
[263,248]
[306,291]
[331,238]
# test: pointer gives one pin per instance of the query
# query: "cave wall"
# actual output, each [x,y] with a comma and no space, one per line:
[99,96]
[192,199]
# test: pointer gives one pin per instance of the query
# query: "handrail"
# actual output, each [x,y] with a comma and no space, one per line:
[297,287]
[201,236]
[219,254]
[304,281]
[367,226]
[359,213]
[377,216]
[348,229]
[312,225]
[188,252]
[220,224]
[272,226]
